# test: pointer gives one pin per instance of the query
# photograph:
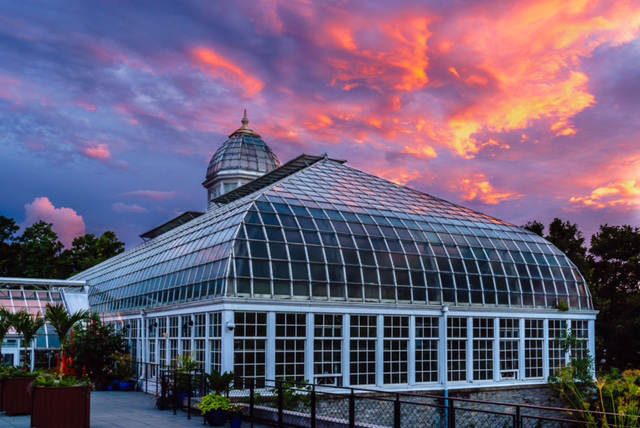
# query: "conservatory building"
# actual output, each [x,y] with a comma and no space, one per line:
[315,270]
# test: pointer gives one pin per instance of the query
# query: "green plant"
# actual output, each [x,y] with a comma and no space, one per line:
[219,382]
[95,348]
[5,325]
[235,409]
[50,380]
[10,371]
[213,402]
[295,395]
[124,370]
[562,305]
[62,323]
[27,326]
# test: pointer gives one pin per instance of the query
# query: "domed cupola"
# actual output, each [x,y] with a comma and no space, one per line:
[242,158]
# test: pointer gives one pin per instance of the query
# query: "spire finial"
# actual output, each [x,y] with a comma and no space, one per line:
[245,120]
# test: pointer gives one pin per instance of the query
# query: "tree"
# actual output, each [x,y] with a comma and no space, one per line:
[95,347]
[62,323]
[5,325]
[39,251]
[568,238]
[9,249]
[615,286]
[27,327]
[535,227]
[87,251]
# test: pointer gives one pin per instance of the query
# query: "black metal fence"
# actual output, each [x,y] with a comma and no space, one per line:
[284,403]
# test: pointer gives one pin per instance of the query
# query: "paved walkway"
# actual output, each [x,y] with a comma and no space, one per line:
[124,409]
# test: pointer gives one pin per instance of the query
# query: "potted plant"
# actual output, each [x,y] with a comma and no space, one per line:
[184,365]
[214,408]
[235,415]
[27,326]
[124,372]
[61,401]
[219,382]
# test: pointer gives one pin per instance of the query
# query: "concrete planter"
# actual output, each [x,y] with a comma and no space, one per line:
[61,407]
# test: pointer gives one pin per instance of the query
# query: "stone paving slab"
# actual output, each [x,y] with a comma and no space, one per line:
[124,409]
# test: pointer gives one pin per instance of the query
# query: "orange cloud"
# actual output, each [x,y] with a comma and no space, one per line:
[533,52]
[479,188]
[623,193]
[420,152]
[229,72]
[99,152]
[66,222]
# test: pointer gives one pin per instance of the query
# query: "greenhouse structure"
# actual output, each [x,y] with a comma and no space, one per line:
[315,270]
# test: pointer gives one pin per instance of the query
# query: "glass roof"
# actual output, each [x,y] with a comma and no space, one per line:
[330,232]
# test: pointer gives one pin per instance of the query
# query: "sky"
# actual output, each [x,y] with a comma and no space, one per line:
[523,110]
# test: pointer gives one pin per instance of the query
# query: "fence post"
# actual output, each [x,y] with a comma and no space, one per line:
[396,412]
[189,396]
[452,414]
[352,409]
[517,420]
[251,400]
[280,403]
[175,392]
[313,406]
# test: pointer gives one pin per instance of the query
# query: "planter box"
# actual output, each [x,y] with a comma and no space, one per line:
[64,407]
[16,399]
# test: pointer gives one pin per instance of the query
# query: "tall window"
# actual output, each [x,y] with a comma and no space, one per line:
[200,334]
[327,349]
[509,345]
[427,340]
[557,332]
[291,336]
[396,345]
[580,333]
[364,334]
[456,348]
[215,344]
[249,344]
[483,338]
[162,340]
[533,347]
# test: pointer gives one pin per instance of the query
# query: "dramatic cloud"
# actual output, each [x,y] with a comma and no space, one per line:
[478,187]
[524,109]
[120,207]
[153,195]
[66,222]
[626,193]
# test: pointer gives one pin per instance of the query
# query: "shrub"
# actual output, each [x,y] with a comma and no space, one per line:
[213,402]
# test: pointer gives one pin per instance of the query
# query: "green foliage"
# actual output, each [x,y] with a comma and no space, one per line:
[50,380]
[37,253]
[185,363]
[535,227]
[235,409]
[95,347]
[10,371]
[615,286]
[123,367]
[213,402]
[27,326]
[295,395]
[612,402]
[62,322]
[5,325]
[219,382]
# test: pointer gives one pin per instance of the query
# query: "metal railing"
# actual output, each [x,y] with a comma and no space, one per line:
[285,403]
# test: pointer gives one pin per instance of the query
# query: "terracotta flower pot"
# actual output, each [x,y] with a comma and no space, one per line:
[61,407]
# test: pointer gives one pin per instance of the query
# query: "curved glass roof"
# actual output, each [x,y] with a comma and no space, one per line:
[332,233]
[244,150]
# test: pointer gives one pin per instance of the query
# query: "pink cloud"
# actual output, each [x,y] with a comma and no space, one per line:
[97,151]
[119,207]
[153,195]
[66,222]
